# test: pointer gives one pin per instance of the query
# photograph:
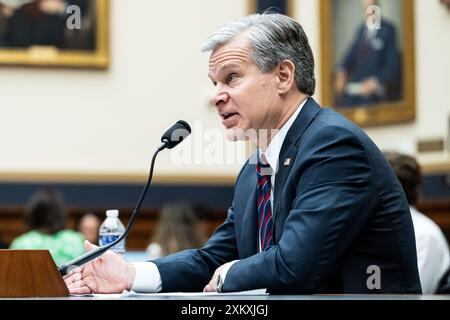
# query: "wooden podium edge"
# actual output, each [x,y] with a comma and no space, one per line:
[30,273]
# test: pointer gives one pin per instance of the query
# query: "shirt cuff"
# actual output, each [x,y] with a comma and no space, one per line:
[147,278]
[227,267]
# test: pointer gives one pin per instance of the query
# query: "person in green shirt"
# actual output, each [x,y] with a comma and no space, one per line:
[46,216]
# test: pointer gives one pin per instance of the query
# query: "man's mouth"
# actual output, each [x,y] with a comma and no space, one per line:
[228,115]
[229,119]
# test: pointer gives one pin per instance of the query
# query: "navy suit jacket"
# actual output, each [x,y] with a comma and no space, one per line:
[338,209]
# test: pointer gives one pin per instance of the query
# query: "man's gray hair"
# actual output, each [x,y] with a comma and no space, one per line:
[273,38]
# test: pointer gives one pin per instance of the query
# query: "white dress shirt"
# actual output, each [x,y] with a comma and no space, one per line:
[272,152]
[148,278]
[433,257]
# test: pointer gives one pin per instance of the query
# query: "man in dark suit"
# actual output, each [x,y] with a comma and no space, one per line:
[317,209]
[370,72]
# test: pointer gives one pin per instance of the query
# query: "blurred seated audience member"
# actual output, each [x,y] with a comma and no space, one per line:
[88,226]
[433,255]
[177,230]
[46,216]
[202,213]
[3,245]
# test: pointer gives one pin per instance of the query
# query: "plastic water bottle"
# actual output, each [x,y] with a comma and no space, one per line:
[111,229]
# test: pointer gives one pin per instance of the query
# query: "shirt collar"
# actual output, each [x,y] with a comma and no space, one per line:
[273,150]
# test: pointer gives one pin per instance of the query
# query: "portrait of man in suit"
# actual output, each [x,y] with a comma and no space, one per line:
[27,23]
[368,63]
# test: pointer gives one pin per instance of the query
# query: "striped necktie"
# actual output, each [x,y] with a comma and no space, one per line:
[263,189]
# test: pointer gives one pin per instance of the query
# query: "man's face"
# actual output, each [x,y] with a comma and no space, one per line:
[244,97]
[365,5]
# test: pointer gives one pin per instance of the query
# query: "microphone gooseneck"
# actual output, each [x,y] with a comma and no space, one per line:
[172,137]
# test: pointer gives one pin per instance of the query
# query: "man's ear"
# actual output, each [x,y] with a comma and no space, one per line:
[286,76]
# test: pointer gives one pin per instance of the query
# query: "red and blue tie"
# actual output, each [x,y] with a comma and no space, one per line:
[263,189]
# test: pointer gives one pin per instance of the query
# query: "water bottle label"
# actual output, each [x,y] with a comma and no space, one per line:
[108,238]
[105,239]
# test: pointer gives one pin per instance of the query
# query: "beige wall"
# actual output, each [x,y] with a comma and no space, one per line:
[110,121]
[80,121]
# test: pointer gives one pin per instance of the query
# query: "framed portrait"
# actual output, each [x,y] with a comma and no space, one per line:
[367,59]
[54,33]
[286,7]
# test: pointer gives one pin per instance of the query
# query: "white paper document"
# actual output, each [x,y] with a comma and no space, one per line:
[257,292]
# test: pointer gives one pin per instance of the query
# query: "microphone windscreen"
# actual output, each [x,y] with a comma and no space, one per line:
[176,133]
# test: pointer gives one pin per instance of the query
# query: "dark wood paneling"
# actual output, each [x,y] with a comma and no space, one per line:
[13,224]
[12,221]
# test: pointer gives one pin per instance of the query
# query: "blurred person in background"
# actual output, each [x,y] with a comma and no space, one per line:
[202,213]
[433,256]
[3,245]
[46,216]
[88,226]
[177,230]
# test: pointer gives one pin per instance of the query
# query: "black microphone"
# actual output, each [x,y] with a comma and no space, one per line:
[172,137]
[176,134]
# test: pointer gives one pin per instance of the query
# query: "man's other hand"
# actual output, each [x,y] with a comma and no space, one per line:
[211,286]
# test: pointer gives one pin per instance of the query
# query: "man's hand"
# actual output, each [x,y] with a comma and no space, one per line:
[106,274]
[211,286]
[6,10]
[340,82]
[369,87]
[52,6]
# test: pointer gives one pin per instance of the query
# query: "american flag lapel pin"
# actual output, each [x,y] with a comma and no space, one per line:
[287,162]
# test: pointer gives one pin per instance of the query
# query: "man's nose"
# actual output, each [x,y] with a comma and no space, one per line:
[218,98]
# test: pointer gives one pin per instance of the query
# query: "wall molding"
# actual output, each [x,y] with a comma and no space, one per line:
[443,167]
[117,178]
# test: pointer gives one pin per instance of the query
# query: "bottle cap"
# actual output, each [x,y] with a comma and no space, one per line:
[114,213]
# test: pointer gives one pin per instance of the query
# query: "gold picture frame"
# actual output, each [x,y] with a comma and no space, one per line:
[255,6]
[400,108]
[52,56]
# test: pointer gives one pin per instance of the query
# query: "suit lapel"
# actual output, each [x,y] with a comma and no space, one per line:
[282,174]
[249,226]
[289,152]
